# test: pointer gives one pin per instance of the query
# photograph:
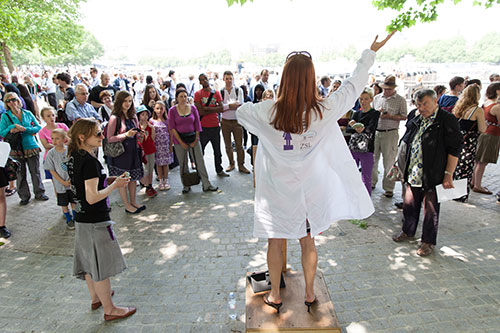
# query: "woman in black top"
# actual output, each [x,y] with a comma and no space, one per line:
[97,252]
[363,124]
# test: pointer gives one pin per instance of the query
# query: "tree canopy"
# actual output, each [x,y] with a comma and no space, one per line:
[49,26]
[410,11]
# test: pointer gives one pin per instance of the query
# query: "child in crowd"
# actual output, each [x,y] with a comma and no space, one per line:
[163,143]
[49,117]
[268,94]
[148,146]
[55,164]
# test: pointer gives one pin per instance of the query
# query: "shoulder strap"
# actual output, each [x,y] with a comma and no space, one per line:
[8,115]
[222,93]
[212,92]
[118,124]
[472,113]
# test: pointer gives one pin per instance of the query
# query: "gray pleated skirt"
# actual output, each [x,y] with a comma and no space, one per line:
[97,251]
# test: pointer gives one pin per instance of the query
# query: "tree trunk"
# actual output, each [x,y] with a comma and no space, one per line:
[2,69]
[7,57]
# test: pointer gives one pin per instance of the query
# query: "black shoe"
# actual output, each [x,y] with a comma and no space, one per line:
[399,205]
[277,306]
[4,232]
[309,304]
[24,202]
[42,197]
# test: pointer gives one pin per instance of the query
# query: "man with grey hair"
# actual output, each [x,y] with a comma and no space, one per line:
[393,110]
[78,107]
[434,144]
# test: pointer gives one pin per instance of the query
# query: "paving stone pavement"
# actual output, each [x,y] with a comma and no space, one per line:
[186,253]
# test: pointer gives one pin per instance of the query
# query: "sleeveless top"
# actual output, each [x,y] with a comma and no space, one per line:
[492,121]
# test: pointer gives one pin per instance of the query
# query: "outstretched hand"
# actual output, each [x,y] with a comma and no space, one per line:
[377,45]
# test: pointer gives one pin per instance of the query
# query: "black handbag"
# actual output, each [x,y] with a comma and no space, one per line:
[188,137]
[260,281]
[15,140]
[190,178]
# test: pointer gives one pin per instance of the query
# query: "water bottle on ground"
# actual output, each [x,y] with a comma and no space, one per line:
[231,303]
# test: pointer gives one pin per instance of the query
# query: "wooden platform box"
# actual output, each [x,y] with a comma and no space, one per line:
[293,316]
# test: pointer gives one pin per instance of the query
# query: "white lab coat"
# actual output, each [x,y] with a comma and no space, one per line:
[317,179]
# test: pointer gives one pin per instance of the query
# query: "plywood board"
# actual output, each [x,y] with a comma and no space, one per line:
[293,316]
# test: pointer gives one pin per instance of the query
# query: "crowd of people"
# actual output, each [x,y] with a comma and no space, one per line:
[146,127]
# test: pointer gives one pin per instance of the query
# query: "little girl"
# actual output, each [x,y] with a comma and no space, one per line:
[163,143]
[148,146]
[49,117]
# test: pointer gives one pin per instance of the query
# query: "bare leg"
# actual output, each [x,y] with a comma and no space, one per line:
[3,206]
[275,264]
[101,291]
[165,171]
[159,169]
[478,174]
[90,285]
[309,265]
[124,196]
[132,187]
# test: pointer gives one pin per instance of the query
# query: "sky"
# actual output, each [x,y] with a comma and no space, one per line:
[188,28]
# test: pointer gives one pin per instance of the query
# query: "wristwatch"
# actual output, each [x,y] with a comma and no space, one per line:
[446,172]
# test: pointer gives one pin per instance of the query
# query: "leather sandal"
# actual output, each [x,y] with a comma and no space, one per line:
[425,249]
[401,236]
[130,311]
[97,305]
[483,190]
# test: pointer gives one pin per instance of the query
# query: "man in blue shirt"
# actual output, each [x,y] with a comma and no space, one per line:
[78,107]
[448,101]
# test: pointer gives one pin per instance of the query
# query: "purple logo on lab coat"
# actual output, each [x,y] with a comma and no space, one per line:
[288,141]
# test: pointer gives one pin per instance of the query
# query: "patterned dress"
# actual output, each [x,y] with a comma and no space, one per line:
[465,166]
[162,143]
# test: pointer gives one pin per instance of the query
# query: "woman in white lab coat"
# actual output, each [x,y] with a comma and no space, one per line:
[305,175]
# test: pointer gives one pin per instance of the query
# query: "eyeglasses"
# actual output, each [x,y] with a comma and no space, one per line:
[11,100]
[83,93]
[294,53]
[100,133]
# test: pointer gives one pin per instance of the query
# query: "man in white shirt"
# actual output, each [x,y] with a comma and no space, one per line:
[49,88]
[232,98]
[191,86]
[94,80]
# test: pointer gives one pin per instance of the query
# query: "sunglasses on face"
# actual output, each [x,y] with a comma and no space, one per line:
[294,53]
[11,100]
[100,133]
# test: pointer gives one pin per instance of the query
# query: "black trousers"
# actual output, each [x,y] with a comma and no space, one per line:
[413,198]
[212,135]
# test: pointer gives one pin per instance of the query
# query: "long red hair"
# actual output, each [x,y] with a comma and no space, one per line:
[297,95]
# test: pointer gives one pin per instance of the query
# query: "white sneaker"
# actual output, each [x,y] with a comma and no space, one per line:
[166,185]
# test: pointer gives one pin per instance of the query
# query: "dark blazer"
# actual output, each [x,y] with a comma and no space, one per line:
[440,139]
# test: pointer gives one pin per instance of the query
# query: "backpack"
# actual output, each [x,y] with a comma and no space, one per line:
[234,87]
